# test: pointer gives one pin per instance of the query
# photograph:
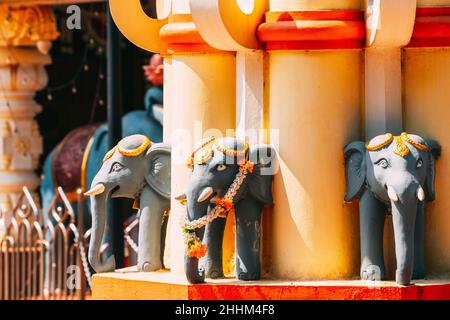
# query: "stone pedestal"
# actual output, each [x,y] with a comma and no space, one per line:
[127,284]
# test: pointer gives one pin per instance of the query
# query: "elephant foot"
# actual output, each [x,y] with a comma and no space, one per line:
[150,266]
[372,273]
[418,275]
[403,278]
[248,276]
[215,274]
[196,277]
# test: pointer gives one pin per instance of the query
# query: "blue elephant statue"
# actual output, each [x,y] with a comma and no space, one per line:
[76,160]
[136,169]
[227,174]
[394,173]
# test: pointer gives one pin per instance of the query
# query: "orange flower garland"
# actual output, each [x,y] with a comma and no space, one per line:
[196,249]
[226,204]
[249,166]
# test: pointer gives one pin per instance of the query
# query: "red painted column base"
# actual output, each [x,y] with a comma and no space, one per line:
[432,28]
[318,292]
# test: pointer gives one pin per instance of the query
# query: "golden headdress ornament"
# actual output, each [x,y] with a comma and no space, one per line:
[202,154]
[400,149]
[130,152]
[231,152]
[109,154]
[205,152]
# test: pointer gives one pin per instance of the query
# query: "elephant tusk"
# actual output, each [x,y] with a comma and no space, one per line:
[98,189]
[392,194]
[182,199]
[420,194]
[206,193]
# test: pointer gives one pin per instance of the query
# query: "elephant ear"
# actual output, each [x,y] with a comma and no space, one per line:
[434,153]
[158,176]
[355,169]
[259,182]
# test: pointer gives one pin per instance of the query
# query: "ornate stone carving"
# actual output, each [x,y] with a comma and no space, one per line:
[25,26]
[5,161]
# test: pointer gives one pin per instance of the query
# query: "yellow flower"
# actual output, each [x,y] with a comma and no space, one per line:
[196,249]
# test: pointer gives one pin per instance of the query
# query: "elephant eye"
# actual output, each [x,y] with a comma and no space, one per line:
[221,167]
[419,163]
[382,163]
[116,167]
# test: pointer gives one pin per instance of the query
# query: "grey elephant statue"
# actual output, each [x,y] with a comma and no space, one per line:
[139,170]
[398,174]
[226,175]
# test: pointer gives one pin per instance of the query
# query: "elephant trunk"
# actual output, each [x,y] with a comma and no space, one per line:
[194,274]
[98,209]
[197,207]
[404,209]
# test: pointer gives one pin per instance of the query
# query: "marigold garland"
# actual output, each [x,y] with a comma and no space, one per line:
[226,204]
[249,166]
[195,248]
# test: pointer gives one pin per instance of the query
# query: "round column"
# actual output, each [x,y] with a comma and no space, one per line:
[314,98]
[202,103]
[199,91]
[426,64]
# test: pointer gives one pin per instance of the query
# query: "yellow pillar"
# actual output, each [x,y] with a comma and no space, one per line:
[25,35]
[199,85]
[230,25]
[426,112]
[202,103]
[314,97]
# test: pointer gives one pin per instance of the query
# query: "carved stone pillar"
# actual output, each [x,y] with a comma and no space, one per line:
[25,35]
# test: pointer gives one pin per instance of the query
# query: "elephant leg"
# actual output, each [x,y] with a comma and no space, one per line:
[150,223]
[372,217]
[419,239]
[164,225]
[248,237]
[212,262]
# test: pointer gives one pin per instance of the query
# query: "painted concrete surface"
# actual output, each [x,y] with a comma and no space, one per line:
[127,284]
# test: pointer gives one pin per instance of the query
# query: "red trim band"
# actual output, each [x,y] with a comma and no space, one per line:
[182,36]
[317,291]
[432,28]
[353,15]
[433,11]
[313,30]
